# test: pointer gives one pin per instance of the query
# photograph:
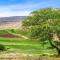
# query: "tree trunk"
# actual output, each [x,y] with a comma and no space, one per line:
[57,48]
[53,44]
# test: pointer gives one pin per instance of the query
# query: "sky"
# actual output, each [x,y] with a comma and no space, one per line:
[24,7]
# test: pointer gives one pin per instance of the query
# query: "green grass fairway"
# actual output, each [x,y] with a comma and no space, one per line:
[25,46]
[22,45]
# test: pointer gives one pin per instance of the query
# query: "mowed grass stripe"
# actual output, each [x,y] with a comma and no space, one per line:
[19,40]
[30,49]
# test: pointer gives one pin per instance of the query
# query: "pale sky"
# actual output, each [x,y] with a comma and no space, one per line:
[24,7]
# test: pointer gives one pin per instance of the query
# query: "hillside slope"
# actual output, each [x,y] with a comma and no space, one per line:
[11,25]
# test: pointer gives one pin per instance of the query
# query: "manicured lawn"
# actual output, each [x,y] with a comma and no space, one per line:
[22,45]
[26,46]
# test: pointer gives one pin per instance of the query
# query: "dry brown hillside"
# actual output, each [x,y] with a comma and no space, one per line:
[10,25]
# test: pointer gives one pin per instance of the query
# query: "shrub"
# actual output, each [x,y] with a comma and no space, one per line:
[2,47]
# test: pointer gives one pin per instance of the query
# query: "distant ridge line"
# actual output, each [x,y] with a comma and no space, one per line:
[11,19]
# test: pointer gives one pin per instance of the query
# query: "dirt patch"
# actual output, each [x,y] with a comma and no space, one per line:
[9,36]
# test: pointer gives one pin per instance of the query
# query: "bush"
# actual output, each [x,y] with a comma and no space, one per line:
[2,47]
[12,30]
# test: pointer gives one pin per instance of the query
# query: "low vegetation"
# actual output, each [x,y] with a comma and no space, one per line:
[2,48]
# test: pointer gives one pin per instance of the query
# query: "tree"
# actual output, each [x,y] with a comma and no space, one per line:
[44,25]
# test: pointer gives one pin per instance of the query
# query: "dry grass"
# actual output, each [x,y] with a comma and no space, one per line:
[17,56]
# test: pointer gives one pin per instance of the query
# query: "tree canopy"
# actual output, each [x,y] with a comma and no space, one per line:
[44,24]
